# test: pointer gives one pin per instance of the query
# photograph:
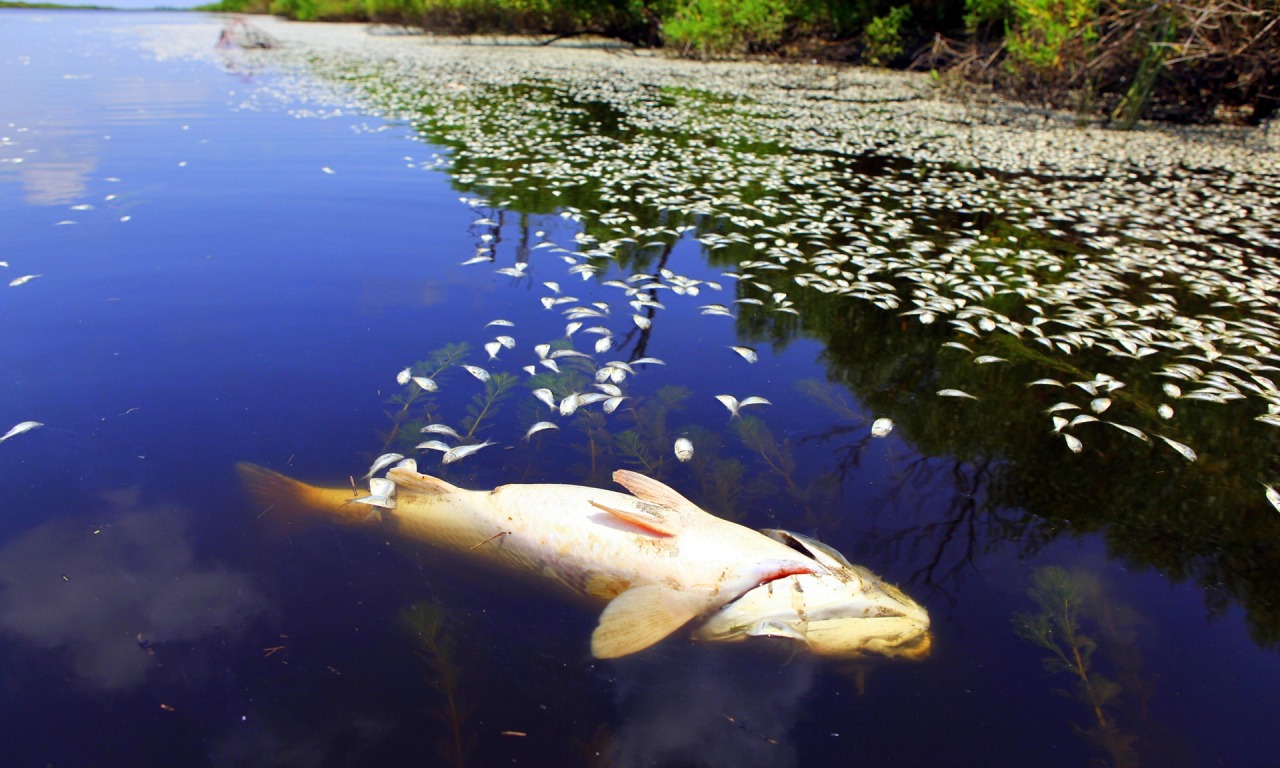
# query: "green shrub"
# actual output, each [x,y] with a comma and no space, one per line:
[1042,28]
[712,27]
[884,35]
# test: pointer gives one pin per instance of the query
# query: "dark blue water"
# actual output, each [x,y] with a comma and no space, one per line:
[209,293]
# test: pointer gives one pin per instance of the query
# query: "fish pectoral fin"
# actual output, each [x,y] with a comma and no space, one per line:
[650,520]
[416,482]
[640,617]
[653,491]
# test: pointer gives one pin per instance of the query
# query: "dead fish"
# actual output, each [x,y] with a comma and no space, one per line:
[381,494]
[1073,443]
[505,323]
[506,341]
[612,403]
[955,393]
[434,445]
[382,462]
[493,348]
[428,385]
[568,405]
[536,428]
[848,612]
[881,427]
[476,371]
[747,353]
[647,361]
[1273,496]
[403,377]
[546,396]
[22,280]
[684,449]
[463,451]
[733,404]
[988,359]
[656,558]
[440,429]
[18,429]
[1185,450]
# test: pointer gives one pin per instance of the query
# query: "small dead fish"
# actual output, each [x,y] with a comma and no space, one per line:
[505,323]
[955,393]
[1073,443]
[747,353]
[1100,404]
[18,429]
[441,429]
[536,428]
[433,445]
[1166,411]
[957,345]
[988,359]
[733,403]
[684,449]
[478,372]
[1185,450]
[647,361]
[404,376]
[546,396]
[568,405]
[426,384]
[881,427]
[612,403]
[603,344]
[1045,383]
[383,461]
[21,280]
[572,328]
[1131,430]
[493,348]
[642,322]
[463,451]
[1273,496]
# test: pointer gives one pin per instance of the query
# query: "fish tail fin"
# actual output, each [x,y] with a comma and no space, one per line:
[289,505]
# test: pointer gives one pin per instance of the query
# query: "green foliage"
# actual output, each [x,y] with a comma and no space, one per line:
[438,646]
[1042,29]
[884,35]
[980,15]
[715,27]
[486,404]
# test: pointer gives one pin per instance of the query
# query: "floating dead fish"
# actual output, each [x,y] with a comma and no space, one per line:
[1100,404]
[1185,450]
[381,494]
[463,451]
[505,323]
[881,427]
[955,393]
[433,445]
[1273,496]
[747,353]
[18,429]
[1073,443]
[382,462]
[538,427]
[647,361]
[476,371]
[546,396]
[733,403]
[612,403]
[989,359]
[568,405]
[440,429]
[493,348]
[684,449]
[426,384]
[404,376]
[1045,383]
[655,558]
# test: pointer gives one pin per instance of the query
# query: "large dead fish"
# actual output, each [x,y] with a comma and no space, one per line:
[845,612]
[657,558]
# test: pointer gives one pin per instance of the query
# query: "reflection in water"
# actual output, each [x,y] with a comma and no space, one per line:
[111,594]
[697,706]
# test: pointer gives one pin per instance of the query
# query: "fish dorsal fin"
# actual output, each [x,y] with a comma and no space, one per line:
[640,617]
[416,482]
[654,492]
[650,519]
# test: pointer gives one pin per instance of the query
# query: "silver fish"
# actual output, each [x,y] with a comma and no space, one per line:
[478,372]
[382,462]
[18,429]
[536,428]
[881,427]
[733,403]
[441,429]
[463,451]
[684,449]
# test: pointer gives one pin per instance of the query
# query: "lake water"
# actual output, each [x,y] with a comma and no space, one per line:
[236,253]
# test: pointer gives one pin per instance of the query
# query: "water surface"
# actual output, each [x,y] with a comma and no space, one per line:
[235,258]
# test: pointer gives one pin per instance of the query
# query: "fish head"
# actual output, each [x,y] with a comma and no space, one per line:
[842,610]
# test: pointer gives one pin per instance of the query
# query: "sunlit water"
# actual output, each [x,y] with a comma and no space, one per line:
[220,280]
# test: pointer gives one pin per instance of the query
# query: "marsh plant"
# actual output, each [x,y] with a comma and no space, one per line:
[437,644]
[1072,618]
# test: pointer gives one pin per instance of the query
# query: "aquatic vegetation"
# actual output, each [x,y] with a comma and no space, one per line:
[437,642]
[1057,628]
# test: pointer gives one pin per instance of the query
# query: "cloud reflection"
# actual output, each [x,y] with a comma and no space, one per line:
[90,591]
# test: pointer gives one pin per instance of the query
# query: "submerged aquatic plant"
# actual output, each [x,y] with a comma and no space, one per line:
[437,644]
[417,382]
[1057,628]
